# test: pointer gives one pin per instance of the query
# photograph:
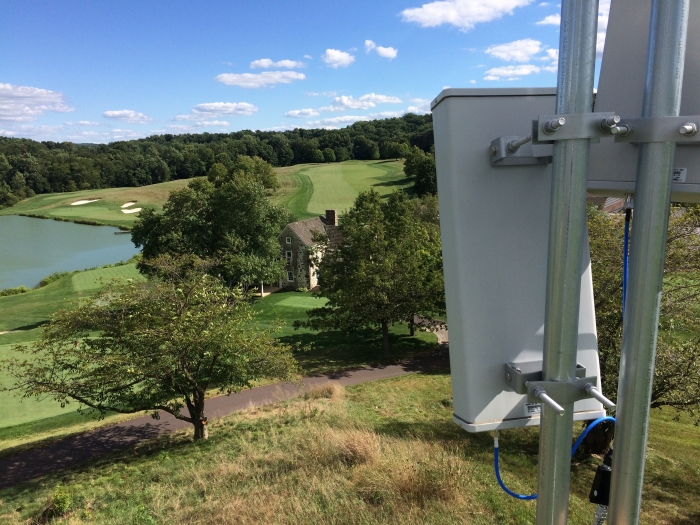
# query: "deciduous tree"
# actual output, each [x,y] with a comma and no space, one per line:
[155,345]
[387,268]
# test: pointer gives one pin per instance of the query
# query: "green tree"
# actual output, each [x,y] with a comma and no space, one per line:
[328,155]
[421,165]
[155,345]
[317,156]
[677,370]
[365,149]
[387,268]
[233,223]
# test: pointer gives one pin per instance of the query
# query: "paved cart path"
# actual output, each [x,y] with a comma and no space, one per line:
[79,448]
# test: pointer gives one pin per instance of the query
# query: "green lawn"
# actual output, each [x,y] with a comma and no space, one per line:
[306,190]
[26,313]
[22,421]
[381,452]
[330,351]
[107,210]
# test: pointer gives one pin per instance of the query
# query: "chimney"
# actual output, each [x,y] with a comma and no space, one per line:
[331,218]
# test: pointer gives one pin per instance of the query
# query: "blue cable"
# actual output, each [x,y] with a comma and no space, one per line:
[573,451]
[626,258]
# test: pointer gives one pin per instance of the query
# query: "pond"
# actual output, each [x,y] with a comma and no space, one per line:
[31,249]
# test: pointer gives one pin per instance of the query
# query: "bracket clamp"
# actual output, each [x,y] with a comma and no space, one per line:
[681,130]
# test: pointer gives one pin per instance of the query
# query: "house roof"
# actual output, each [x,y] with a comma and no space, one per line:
[305,230]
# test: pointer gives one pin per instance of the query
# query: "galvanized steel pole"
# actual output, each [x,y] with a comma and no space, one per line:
[662,97]
[577,51]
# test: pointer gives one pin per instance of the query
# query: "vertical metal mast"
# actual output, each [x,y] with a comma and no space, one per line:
[662,97]
[577,51]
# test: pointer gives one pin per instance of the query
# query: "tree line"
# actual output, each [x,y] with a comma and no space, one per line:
[28,167]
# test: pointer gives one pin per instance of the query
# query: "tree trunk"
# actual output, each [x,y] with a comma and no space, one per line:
[198,429]
[385,340]
[412,326]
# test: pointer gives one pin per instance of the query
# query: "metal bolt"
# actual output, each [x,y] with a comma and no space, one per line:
[508,377]
[609,123]
[493,151]
[621,130]
[514,145]
[553,125]
[688,129]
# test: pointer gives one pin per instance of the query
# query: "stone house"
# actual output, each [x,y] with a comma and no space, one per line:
[296,241]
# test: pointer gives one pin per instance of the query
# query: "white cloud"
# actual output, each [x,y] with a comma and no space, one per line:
[324,94]
[472,81]
[422,106]
[511,72]
[345,119]
[464,14]
[266,63]
[83,123]
[127,115]
[258,80]
[385,52]
[517,51]
[543,4]
[308,57]
[367,101]
[336,58]
[302,113]
[603,16]
[551,20]
[210,109]
[25,104]
[380,99]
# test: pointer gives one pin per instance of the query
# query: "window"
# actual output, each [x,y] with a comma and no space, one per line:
[290,276]
[288,240]
[289,256]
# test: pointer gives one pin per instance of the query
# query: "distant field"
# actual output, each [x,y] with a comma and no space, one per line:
[27,312]
[107,210]
[306,190]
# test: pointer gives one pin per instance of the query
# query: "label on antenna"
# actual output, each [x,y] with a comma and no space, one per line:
[679,174]
[533,409]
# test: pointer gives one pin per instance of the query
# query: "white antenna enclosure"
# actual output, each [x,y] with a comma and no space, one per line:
[613,166]
[494,224]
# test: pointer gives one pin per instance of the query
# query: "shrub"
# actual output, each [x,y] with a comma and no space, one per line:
[13,291]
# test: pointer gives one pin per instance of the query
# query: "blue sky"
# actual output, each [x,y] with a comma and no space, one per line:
[99,71]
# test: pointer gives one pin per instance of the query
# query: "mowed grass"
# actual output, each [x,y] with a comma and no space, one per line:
[107,210]
[333,351]
[306,190]
[381,452]
[30,421]
[24,314]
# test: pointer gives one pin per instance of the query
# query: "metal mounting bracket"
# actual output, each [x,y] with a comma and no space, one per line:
[514,150]
[682,130]
[561,391]
[518,375]
[594,126]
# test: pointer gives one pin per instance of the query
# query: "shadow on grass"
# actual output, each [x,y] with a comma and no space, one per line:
[31,326]
[336,351]
[390,183]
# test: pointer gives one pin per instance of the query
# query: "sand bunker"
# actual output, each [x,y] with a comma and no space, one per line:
[127,204]
[132,210]
[80,203]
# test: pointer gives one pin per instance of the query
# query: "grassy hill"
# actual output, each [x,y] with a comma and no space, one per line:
[306,190]
[21,317]
[382,452]
[106,210]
